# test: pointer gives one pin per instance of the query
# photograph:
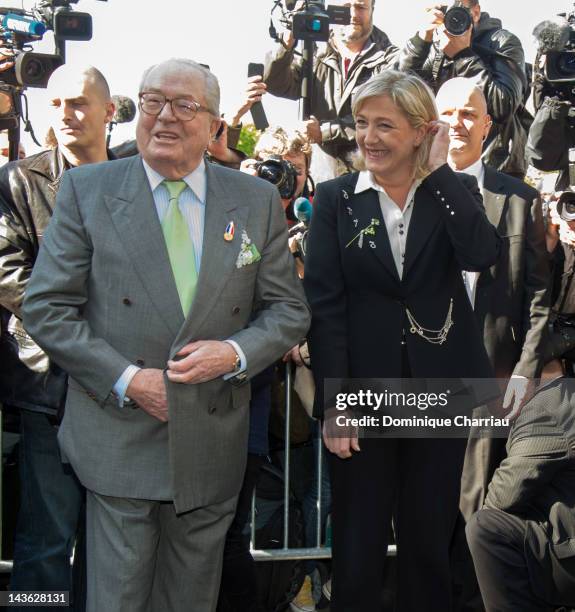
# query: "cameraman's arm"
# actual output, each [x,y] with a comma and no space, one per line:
[283,73]
[501,75]
[547,146]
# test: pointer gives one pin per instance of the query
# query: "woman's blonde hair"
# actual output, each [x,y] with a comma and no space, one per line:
[412,97]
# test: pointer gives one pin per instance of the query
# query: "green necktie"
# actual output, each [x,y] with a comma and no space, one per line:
[180,247]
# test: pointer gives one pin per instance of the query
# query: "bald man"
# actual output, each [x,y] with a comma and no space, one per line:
[51,501]
[511,299]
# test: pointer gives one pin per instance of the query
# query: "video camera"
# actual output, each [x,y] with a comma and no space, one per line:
[20,28]
[311,23]
[557,42]
[457,18]
[566,202]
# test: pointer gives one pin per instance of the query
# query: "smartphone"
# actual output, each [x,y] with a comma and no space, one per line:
[258,113]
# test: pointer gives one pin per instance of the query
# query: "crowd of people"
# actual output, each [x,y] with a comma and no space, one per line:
[153,294]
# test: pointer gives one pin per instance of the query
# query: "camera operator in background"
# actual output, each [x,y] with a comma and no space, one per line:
[552,133]
[354,53]
[463,41]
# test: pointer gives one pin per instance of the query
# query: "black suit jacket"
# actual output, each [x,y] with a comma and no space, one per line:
[358,301]
[512,297]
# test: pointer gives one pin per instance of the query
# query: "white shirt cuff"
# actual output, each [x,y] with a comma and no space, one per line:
[123,382]
[243,360]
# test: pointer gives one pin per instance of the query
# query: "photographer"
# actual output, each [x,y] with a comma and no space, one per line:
[51,503]
[354,54]
[552,133]
[494,58]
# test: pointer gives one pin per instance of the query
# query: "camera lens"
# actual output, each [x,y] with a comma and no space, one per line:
[457,20]
[566,206]
[34,69]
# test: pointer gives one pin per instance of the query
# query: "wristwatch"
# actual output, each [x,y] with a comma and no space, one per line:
[237,364]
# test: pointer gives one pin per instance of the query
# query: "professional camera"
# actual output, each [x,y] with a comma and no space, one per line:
[557,42]
[313,22]
[20,28]
[457,18]
[566,202]
[279,172]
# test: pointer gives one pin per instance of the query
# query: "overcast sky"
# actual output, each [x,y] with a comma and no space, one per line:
[130,35]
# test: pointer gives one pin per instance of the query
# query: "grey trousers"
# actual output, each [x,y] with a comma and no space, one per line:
[143,557]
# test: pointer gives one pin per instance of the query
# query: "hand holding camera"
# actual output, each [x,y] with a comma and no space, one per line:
[454,27]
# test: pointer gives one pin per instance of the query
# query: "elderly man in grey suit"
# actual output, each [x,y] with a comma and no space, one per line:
[510,300]
[163,284]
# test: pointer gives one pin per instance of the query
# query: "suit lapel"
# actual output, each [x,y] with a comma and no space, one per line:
[494,196]
[218,255]
[136,220]
[364,207]
[424,218]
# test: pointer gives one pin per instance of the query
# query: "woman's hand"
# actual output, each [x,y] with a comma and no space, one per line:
[339,439]
[440,145]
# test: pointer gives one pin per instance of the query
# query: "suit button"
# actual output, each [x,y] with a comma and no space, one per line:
[126,301]
[236,310]
[140,362]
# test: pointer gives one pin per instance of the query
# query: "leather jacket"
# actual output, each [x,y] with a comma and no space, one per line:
[28,188]
[496,59]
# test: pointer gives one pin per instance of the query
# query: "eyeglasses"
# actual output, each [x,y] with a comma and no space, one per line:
[182,109]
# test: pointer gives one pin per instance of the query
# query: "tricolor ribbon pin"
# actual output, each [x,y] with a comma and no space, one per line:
[229,233]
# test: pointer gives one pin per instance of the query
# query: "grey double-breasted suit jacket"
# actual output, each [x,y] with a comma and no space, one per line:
[102,296]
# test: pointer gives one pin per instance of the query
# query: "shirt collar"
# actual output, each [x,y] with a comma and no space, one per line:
[476,169]
[195,180]
[366,181]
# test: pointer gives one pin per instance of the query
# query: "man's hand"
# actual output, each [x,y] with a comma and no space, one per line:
[519,391]
[202,361]
[431,21]
[255,90]
[219,150]
[439,146]
[6,59]
[294,355]
[338,439]
[249,166]
[312,129]
[452,45]
[148,390]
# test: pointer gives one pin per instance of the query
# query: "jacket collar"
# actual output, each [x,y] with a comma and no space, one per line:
[52,164]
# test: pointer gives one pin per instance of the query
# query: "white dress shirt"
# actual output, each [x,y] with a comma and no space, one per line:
[396,220]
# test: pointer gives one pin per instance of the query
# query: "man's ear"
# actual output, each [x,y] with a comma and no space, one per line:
[214,127]
[487,127]
[110,110]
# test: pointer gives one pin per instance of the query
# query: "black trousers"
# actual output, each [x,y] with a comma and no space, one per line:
[415,481]
[511,578]
[238,588]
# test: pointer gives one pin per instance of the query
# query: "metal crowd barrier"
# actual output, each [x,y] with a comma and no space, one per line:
[285,553]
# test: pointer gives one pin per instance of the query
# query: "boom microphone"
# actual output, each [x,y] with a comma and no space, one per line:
[125,109]
[552,35]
